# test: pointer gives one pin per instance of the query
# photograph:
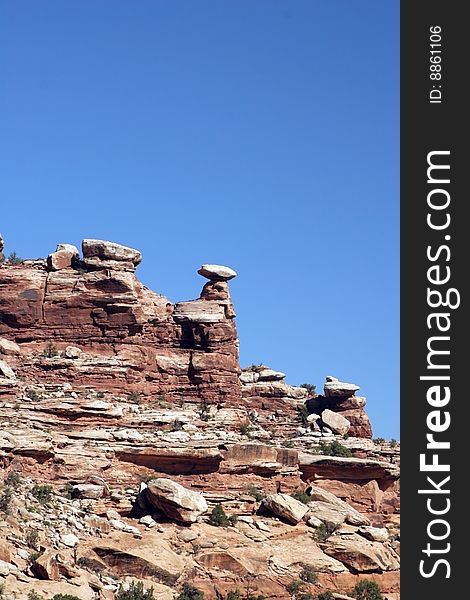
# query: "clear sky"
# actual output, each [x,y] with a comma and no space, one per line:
[261,134]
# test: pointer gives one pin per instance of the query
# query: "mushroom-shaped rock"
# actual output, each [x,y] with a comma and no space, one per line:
[283,505]
[339,389]
[217,272]
[175,501]
[101,254]
[336,422]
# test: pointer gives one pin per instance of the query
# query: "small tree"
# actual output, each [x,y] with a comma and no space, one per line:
[309,387]
[50,350]
[254,491]
[335,449]
[301,496]
[325,596]
[218,517]
[308,574]
[366,590]
[189,592]
[42,493]
[14,259]
[135,592]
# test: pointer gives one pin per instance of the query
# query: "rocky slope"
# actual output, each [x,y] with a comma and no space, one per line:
[106,386]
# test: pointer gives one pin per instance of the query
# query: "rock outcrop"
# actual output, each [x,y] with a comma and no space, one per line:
[126,419]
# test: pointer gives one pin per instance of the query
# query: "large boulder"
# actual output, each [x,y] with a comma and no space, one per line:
[175,501]
[217,272]
[336,422]
[339,389]
[361,555]
[101,254]
[6,371]
[63,258]
[286,507]
[9,347]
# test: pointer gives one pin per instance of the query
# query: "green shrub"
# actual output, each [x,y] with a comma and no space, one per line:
[32,394]
[393,443]
[254,491]
[177,425]
[335,448]
[379,440]
[245,428]
[32,538]
[189,592]
[50,351]
[294,587]
[308,574]
[366,590]
[34,596]
[309,387]
[134,397]
[326,596]
[13,479]
[65,597]
[6,496]
[218,517]
[305,596]
[135,592]
[42,493]
[301,496]
[323,532]
[14,259]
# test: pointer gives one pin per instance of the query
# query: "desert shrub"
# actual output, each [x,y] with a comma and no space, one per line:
[34,596]
[335,448]
[42,493]
[308,574]
[65,597]
[218,517]
[189,592]
[254,491]
[14,259]
[326,595]
[245,428]
[294,587]
[50,351]
[305,596]
[135,592]
[323,532]
[134,397]
[6,496]
[32,538]
[393,443]
[177,425]
[204,411]
[366,590]
[13,479]
[309,387]
[32,394]
[379,440]
[33,556]
[301,496]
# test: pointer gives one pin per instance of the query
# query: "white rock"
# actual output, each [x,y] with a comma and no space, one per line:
[261,525]
[70,540]
[336,422]
[283,505]
[68,248]
[217,272]
[270,375]
[6,371]
[340,389]
[375,534]
[9,347]
[176,501]
[72,352]
[148,521]
[246,519]
[314,522]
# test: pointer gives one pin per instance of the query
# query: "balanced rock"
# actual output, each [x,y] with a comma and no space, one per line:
[175,501]
[217,272]
[339,389]
[336,422]
[101,254]
[286,507]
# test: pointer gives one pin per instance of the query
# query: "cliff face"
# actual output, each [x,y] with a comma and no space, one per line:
[105,384]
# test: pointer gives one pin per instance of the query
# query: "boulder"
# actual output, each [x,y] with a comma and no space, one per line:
[339,389]
[63,258]
[361,555]
[374,534]
[8,347]
[72,352]
[88,490]
[217,272]
[46,566]
[176,501]
[286,507]
[336,422]
[6,371]
[69,539]
[101,254]
[270,375]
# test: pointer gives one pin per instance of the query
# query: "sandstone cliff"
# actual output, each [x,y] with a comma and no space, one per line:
[105,384]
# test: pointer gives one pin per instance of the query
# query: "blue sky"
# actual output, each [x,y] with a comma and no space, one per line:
[259,134]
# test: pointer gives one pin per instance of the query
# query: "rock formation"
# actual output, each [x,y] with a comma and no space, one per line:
[126,419]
